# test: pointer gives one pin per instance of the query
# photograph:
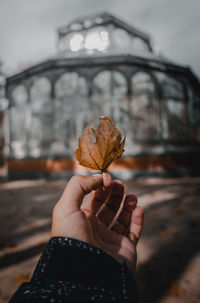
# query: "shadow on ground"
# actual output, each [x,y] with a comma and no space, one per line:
[169,251]
[179,244]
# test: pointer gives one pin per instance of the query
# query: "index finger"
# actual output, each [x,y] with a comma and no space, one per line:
[75,191]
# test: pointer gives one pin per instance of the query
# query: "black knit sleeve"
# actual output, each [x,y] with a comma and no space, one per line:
[70,270]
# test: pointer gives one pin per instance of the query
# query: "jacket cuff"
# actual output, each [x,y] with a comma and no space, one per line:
[70,260]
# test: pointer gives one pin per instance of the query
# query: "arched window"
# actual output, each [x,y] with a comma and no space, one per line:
[97,40]
[172,88]
[175,109]
[91,41]
[41,117]
[71,111]
[145,108]
[109,97]
[18,113]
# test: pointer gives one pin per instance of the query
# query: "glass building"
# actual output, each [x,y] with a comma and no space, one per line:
[103,66]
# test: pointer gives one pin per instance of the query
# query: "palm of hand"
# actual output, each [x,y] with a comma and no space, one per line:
[92,221]
[113,236]
[117,245]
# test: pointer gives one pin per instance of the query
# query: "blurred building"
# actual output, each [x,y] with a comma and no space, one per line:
[103,66]
[3,115]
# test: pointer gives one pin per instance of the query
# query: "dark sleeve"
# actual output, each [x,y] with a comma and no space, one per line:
[70,270]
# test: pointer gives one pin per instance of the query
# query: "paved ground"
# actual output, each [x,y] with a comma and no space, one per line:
[169,251]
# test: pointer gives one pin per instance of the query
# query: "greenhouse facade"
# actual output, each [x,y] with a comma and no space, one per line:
[103,67]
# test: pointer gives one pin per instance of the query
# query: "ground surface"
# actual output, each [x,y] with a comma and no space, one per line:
[169,250]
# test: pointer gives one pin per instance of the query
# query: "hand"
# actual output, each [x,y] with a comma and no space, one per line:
[86,211]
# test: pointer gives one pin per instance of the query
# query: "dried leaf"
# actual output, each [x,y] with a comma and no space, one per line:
[99,153]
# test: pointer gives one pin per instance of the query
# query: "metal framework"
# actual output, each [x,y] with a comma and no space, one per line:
[94,73]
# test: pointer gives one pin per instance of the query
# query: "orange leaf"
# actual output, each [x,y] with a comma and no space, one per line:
[99,153]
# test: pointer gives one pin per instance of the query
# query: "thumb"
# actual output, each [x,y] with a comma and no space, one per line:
[74,192]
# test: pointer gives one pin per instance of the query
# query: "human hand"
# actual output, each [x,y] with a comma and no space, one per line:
[85,212]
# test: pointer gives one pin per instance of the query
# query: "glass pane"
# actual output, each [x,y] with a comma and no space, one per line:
[175,108]
[110,83]
[76,42]
[145,108]
[97,39]
[71,111]
[64,43]
[172,88]
[19,95]
[66,85]
[120,39]
[190,104]
[177,119]
[139,45]
[41,117]
[18,131]
[40,94]
[89,41]
[18,116]
[109,98]
[176,122]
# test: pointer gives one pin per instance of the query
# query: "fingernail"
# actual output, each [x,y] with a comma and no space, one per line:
[132,203]
[96,175]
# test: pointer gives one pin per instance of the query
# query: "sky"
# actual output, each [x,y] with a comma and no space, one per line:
[28,27]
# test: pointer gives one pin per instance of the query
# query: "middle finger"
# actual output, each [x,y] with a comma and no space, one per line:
[110,208]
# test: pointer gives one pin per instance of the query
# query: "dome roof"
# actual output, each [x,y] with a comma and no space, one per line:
[102,32]
[104,18]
